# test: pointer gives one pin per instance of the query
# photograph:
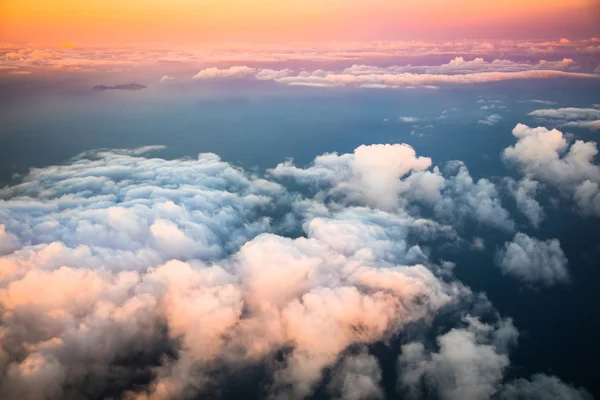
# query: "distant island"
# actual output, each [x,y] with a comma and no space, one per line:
[129,86]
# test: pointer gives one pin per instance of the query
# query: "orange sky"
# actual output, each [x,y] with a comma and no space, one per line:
[113,22]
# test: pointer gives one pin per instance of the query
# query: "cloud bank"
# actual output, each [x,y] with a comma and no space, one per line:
[125,276]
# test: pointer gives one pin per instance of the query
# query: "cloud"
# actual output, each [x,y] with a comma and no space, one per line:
[592,125]
[491,119]
[231,72]
[167,79]
[118,258]
[271,74]
[396,80]
[540,101]
[587,118]
[568,113]
[470,363]
[8,241]
[534,261]
[358,377]
[463,56]
[408,119]
[134,277]
[540,387]
[464,198]
[545,155]
[524,192]
[372,174]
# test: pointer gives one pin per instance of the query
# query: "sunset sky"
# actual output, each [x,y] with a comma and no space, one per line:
[112,22]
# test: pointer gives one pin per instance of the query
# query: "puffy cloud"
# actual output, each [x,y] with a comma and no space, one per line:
[391,176]
[117,258]
[524,192]
[357,378]
[8,241]
[534,261]
[545,155]
[464,198]
[231,72]
[491,119]
[540,387]
[470,363]
[143,278]
[372,174]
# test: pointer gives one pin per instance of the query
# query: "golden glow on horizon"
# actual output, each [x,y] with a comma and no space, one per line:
[114,21]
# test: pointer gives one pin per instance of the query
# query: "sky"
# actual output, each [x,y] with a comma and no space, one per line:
[114,23]
[288,200]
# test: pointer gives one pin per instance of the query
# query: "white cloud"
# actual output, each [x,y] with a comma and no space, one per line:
[464,198]
[470,363]
[534,261]
[524,192]
[166,79]
[165,278]
[567,113]
[545,155]
[492,119]
[115,256]
[408,119]
[372,174]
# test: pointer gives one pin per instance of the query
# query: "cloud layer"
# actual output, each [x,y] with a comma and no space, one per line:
[133,277]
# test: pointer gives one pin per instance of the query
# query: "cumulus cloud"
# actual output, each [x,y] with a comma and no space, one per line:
[357,378]
[166,79]
[470,363]
[545,155]
[534,261]
[372,174]
[524,192]
[132,277]
[391,176]
[465,198]
[118,257]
